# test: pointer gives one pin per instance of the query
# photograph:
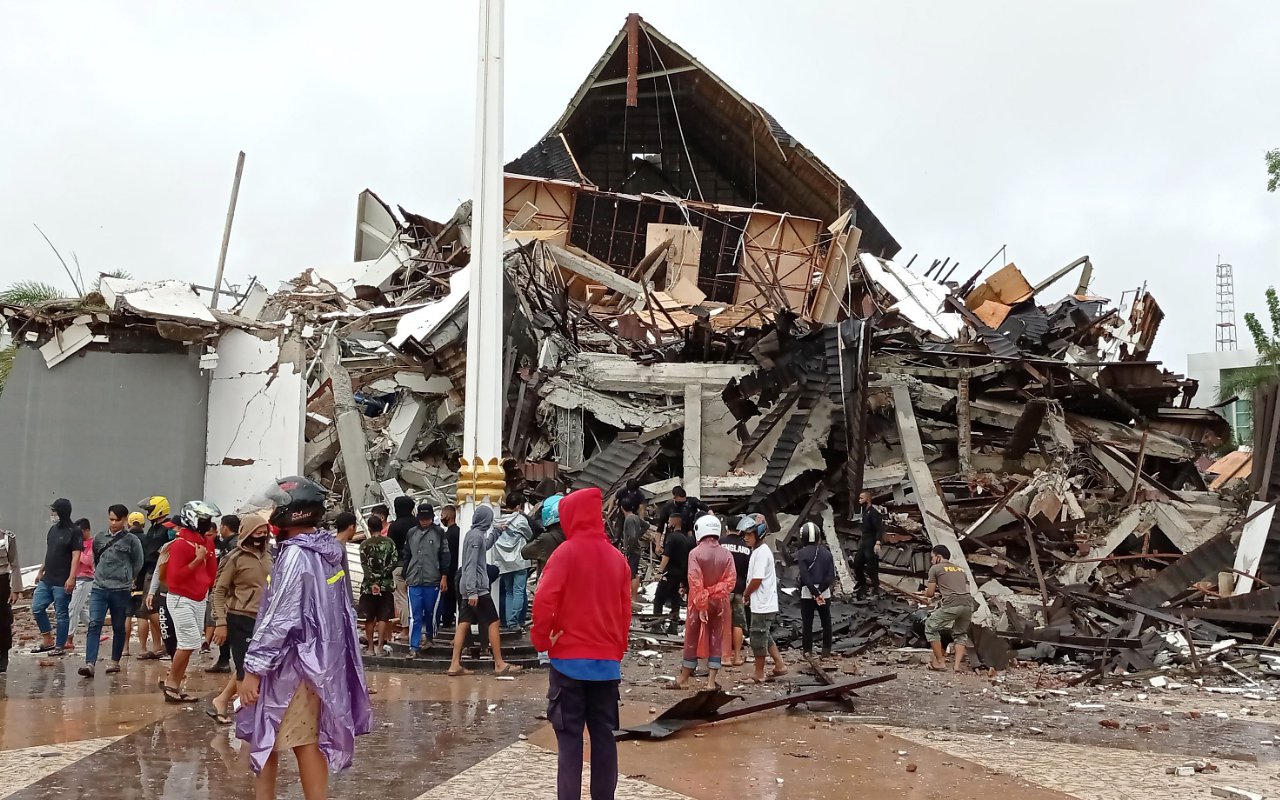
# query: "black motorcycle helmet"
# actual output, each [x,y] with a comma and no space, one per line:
[294,501]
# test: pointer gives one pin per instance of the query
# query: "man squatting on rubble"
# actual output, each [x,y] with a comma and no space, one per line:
[711,580]
[953,613]
[581,618]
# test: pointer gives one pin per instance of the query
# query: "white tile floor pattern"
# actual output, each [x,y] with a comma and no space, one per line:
[24,766]
[1096,773]
[525,771]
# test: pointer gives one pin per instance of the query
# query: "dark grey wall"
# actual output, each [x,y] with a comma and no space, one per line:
[99,428]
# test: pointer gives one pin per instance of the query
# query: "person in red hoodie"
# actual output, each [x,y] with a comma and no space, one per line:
[190,573]
[581,618]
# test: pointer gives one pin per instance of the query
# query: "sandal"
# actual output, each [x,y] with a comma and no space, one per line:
[113,669]
[509,669]
[758,681]
[172,695]
[42,648]
[935,668]
[221,719]
[149,656]
[458,673]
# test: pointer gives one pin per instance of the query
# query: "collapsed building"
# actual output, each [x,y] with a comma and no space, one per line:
[695,299]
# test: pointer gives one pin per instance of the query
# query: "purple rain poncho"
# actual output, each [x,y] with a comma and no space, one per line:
[306,630]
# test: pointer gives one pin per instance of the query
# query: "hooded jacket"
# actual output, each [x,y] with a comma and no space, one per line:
[585,588]
[307,631]
[513,534]
[242,577]
[186,579]
[155,538]
[473,571]
[65,537]
[426,556]
[405,521]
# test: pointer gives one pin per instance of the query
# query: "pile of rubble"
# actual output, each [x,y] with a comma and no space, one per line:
[760,347]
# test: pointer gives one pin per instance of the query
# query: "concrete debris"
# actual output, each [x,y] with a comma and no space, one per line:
[770,353]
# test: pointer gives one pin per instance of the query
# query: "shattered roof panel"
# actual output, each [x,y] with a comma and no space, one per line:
[919,300]
[175,300]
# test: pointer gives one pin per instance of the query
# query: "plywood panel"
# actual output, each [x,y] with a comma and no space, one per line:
[779,257]
[554,202]
[685,252]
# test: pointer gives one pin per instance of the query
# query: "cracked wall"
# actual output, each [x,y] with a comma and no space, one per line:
[255,432]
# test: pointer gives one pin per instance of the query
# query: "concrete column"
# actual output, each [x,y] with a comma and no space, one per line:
[480,477]
[693,439]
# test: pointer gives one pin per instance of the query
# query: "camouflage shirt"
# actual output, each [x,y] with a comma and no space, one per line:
[378,559]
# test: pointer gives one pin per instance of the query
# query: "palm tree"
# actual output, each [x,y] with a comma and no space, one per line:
[1242,382]
[22,293]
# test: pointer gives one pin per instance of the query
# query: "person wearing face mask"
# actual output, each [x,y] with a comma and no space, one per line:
[190,573]
[56,579]
[236,598]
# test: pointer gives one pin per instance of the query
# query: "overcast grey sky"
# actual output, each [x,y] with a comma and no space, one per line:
[1133,132]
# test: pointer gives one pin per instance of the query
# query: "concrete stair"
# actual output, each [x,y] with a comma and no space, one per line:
[516,649]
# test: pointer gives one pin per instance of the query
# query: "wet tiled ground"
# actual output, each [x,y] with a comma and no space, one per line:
[113,737]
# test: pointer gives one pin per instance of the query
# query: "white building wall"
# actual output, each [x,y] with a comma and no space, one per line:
[1207,368]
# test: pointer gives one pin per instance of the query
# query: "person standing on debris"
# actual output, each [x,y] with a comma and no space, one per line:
[953,613]
[398,532]
[762,594]
[190,575]
[345,527]
[377,590]
[159,534]
[56,579]
[817,573]
[737,547]
[712,576]
[224,545]
[79,608]
[513,569]
[236,599]
[688,508]
[634,528]
[117,557]
[473,587]
[304,687]
[552,536]
[582,618]
[447,609]
[866,563]
[426,572]
[10,591]
[673,571]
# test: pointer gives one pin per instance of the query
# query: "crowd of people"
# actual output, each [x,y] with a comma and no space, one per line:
[270,589]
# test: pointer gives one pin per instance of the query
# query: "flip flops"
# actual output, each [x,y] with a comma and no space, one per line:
[509,669]
[221,719]
[458,673]
[149,656]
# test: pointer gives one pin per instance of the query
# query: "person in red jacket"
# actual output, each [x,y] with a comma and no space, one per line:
[581,618]
[189,573]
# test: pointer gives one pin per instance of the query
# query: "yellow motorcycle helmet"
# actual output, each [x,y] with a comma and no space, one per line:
[137,518]
[156,507]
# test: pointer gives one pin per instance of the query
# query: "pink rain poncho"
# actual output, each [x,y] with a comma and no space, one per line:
[306,630]
[712,576]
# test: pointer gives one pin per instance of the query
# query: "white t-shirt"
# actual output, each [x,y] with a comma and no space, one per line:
[765,599]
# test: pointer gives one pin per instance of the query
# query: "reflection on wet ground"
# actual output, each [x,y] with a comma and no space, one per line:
[113,737]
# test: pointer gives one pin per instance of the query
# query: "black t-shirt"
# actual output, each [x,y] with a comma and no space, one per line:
[451,535]
[63,541]
[676,548]
[872,529]
[398,532]
[737,546]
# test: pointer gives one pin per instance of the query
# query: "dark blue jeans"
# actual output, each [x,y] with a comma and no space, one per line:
[57,596]
[118,602]
[571,706]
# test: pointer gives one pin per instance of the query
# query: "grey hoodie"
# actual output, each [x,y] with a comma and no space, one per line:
[117,560]
[473,571]
[514,534]
[426,556]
